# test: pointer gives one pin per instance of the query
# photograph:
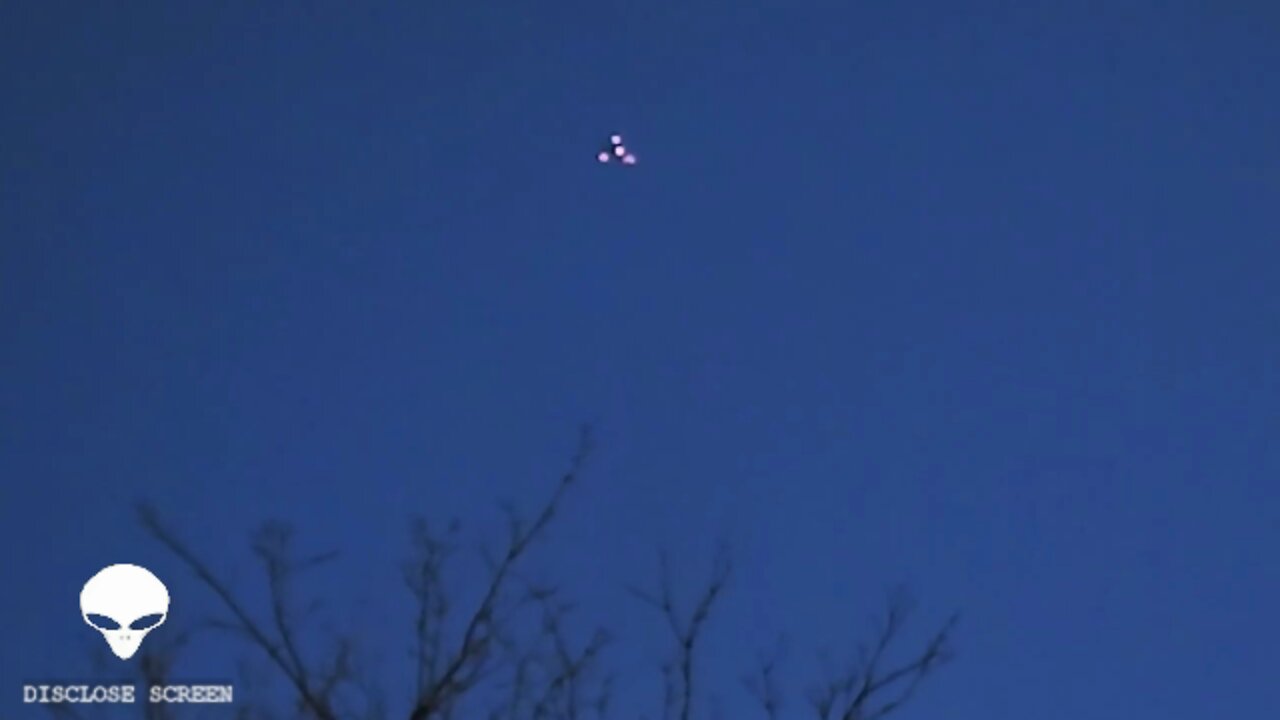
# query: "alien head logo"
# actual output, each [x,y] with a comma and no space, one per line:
[124,603]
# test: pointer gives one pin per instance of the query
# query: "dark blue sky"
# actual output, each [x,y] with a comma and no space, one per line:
[980,298]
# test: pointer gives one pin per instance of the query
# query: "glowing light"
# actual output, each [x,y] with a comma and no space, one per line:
[603,157]
[615,139]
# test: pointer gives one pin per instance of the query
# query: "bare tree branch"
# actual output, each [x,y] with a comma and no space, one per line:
[283,652]
[871,692]
[424,577]
[763,684]
[566,669]
[473,652]
[678,676]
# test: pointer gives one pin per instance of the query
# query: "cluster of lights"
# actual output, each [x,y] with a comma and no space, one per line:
[616,150]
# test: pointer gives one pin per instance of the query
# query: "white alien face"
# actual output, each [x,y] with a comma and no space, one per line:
[124,603]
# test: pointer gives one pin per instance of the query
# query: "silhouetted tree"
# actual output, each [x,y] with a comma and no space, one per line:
[509,655]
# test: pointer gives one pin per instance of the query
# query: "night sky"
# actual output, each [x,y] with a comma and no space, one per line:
[980,297]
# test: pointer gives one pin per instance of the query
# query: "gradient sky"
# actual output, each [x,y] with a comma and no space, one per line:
[977,296]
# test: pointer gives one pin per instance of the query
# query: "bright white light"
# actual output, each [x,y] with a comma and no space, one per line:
[615,139]
[603,157]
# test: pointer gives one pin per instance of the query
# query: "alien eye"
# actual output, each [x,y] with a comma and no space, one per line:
[146,622]
[102,622]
